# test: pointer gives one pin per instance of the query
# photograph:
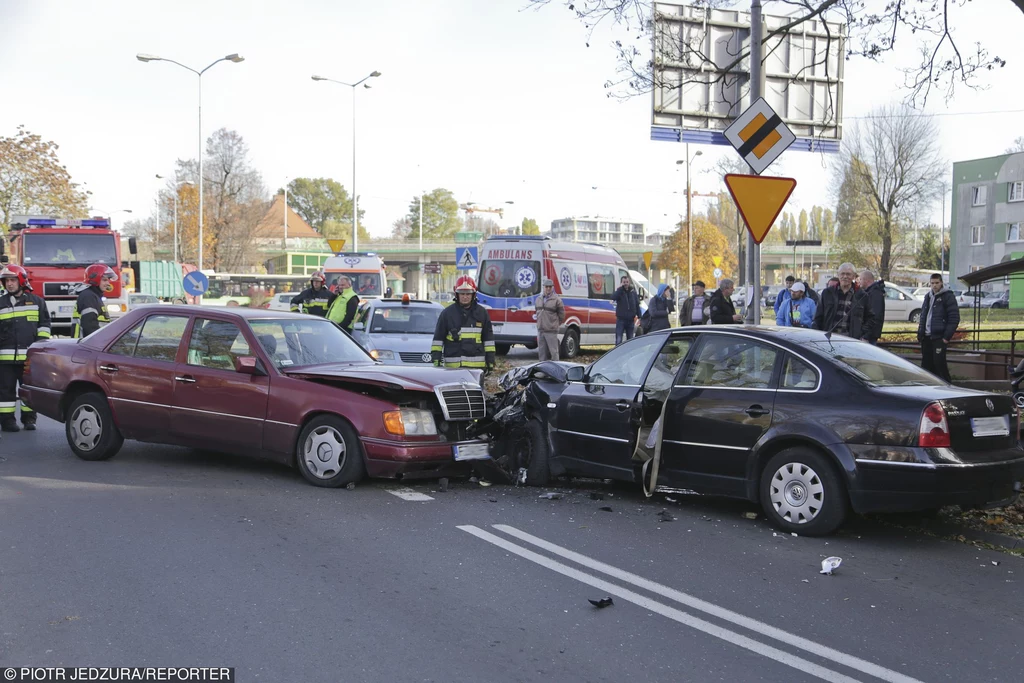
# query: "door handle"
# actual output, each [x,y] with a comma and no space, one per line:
[622,406]
[756,411]
[186,378]
[513,309]
[109,368]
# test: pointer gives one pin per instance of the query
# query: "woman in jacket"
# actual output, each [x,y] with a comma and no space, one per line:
[659,309]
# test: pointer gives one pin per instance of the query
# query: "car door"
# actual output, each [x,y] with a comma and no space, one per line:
[718,413]
[214,405]
[137,374]
[897,306]
[598,418]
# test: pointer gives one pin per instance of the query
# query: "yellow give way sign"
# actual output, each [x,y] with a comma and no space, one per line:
[760,200]
[717,260]
[648,255]
[337,246]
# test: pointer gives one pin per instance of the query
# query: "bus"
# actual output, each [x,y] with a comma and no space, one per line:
[251,289]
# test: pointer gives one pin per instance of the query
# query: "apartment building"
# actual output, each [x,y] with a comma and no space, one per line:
[599,229]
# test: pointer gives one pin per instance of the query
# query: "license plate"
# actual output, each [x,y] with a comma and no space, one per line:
[472,451]
[69,309]
[496,327]
[991,426]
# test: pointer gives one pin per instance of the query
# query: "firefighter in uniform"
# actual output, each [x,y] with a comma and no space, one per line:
[345,305]
[315,299]
[24,320]
[464,337]
[90,310]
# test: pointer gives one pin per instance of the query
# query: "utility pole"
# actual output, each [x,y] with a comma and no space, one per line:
[753,316]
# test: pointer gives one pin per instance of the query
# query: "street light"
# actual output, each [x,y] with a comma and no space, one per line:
[689,223]
[355,197]
[233,57]
[176,186]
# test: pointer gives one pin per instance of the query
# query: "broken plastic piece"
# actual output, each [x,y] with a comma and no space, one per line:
[522,476]
[605,508]
[666,516]
[551,495]
[484,483]
[750,515]
[351,486]
[603,602]
[830,564]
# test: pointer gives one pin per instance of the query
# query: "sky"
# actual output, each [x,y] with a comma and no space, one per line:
[491,99]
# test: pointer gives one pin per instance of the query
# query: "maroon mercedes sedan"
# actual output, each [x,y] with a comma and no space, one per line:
[288,387]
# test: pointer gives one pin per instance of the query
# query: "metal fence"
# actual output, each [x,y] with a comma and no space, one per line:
[992,356]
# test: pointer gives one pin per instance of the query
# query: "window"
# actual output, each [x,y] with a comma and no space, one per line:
[979,195]
[873,365]
[978,234]
[125,345]
[797,374]
[293,343]
[1016,193]
[509,278]
[601,280]
[663,373]
[728,361]
[1013,232]
[404,320]
[893,294]
[161,337]
[216,344]
[625,364]
[82,249]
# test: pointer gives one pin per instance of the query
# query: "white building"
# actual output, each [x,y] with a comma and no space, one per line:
[599,229]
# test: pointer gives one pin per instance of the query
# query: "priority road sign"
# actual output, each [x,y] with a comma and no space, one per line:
[760,200]
[466,258]
[759,135]
[195,283]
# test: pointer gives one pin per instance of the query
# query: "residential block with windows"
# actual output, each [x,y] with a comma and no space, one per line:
[599,229]
[986,219]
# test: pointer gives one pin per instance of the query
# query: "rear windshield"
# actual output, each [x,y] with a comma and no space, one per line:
[69,250]
[404,320]
[509,278]
[875,366]
[365,284]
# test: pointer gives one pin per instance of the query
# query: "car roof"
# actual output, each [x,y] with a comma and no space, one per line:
[238,311]
[397,303]
[792,335]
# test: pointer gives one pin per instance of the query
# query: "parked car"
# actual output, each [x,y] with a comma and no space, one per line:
[1003,301]
[988,299]
[807,424]
[141,300]
[901,305]
[397,331]
[920,292]
[282,301]
[284,386]
[963,299]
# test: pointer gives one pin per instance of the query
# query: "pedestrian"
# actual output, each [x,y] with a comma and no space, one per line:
[695,309]
[627,308]
[345,305]
[463,337]
[874,290]
[550,316]
[722,311]
[91,309]
[844,308]
[315,299]
[798,311]
[659,309]
[784,294]
[810,293]
[940,316]
[24,320]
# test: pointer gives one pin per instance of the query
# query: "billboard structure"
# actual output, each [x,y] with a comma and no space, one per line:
[701,83]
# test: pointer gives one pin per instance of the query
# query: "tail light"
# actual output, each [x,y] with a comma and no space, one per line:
[934,430]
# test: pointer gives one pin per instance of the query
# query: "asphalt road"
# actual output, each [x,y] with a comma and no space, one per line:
[171,557]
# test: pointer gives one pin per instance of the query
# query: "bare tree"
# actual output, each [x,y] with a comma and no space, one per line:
[237,199]
[1016,147]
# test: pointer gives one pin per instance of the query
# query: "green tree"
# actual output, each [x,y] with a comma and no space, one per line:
[802,228]
[530,227]
[319,200]
[33,181]
[928,256]
[338,230]
[708,242]
[441,218]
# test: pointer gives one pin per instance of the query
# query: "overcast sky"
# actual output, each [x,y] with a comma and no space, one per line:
[492,101]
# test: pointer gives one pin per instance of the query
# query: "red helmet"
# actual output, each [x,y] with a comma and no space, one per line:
[318,275]
[465,284]
[95,273]
[18,272]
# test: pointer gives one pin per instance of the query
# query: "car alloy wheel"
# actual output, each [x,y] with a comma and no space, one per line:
[324,452]
[797,493]
[86,427]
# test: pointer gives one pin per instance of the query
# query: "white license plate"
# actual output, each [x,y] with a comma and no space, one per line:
[69,309]
[991,426]
[472,451]
[496,327]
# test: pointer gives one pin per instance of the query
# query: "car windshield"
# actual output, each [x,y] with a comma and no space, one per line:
[144,299]
[404,320]
[875,366]
[63,250]
[364,284]
[298,343]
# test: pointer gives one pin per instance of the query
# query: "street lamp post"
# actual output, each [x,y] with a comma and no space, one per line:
[355,197]
[234,57]
[689,220]
[176,187]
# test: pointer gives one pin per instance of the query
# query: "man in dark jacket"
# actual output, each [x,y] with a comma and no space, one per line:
[627,308]
[696,308]
[464,337]
[315,299]
[940,315]
[874,290]
[844,308]
[90,308]
[24,320]
[722,312]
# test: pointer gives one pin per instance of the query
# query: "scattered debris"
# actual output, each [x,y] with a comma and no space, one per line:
[671,500]
[473,480]
[351,486]
[750,515]
[493,500]
[521,479]
[484,483]
[793,533]
[603,602]
[995,563]
[665,516]
[550,495]
[605,508]
[830,564]
[442,483]
[596,496]
[805,580]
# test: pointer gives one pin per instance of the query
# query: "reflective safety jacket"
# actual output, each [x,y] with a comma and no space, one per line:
[24,320]
[463,338]
[313,303]
[343,309]
[90,313]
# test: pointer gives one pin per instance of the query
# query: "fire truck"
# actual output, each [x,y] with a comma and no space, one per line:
[56,252]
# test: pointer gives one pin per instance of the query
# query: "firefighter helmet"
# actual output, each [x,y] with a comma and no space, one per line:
[465,285]
[15,271]
[318,276]
[95,274]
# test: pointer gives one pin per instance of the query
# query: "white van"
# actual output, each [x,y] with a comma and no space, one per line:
[366,271]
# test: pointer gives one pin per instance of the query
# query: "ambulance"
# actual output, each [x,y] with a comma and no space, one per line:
[366,271]
[585,275]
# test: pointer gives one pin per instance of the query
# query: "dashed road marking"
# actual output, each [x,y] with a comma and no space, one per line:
[408,494]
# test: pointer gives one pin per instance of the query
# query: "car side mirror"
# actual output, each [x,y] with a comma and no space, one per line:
[575,373]
[359,326]
[247,365]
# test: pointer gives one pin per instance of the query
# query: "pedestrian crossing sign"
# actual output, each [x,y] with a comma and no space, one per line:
[466,258]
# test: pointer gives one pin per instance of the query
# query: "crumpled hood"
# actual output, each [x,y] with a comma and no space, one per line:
[391,376]
[400,342]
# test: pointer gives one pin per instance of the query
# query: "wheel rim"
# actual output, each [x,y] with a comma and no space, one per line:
[324,452]
[86,427]
[797,493]
[1018,399]
[570,345]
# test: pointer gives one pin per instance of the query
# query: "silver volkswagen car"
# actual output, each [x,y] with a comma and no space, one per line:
[397,331]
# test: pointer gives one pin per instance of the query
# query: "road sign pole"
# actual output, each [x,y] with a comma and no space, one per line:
[754,249]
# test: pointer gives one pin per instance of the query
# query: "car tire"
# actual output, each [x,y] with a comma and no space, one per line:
[802,493]
[538,472]
[915,315]
[90,428]
[570,347]
[502,349]
[328,453]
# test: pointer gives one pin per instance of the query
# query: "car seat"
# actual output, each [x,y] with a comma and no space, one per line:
[420,323]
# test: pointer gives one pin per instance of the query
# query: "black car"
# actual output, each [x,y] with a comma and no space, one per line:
[808,424]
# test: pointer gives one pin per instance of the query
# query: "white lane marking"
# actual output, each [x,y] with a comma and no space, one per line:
[676,615]
[408,494]
[714,610]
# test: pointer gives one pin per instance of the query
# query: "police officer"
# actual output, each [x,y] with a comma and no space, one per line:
[24,320]
[464,337]
[345,305]
[91,311]
[315,299]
